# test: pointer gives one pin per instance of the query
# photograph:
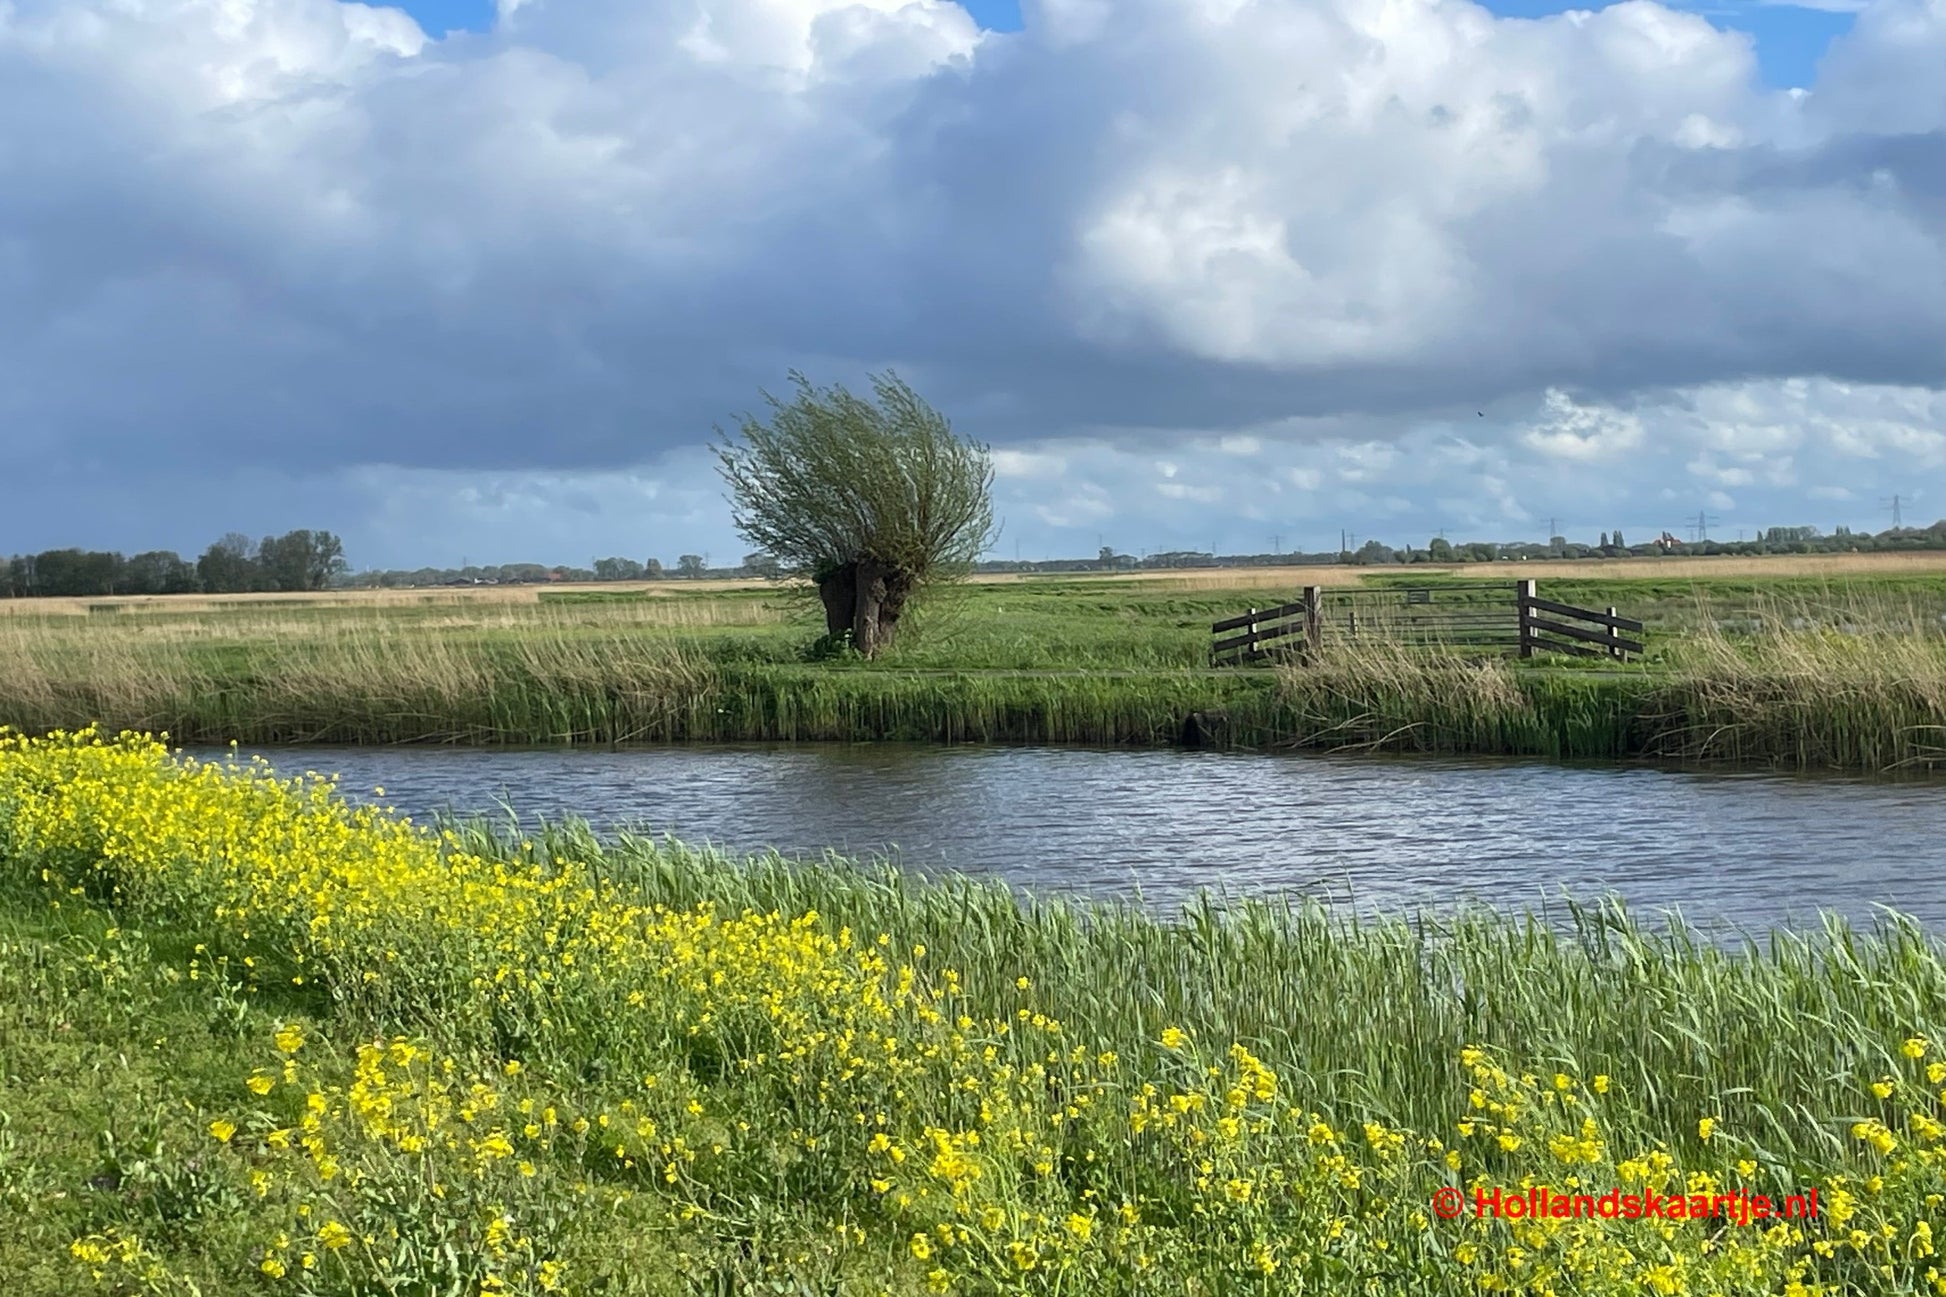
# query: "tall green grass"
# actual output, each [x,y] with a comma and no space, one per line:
[1778,1032]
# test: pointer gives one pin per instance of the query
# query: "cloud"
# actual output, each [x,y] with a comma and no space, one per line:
[250,242]
[1581,433]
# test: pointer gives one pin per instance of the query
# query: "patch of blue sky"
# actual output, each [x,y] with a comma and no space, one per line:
[1790,38]
[437,17]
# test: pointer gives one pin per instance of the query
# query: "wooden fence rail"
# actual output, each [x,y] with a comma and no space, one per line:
[1555,633]
[1503,616]
[1268,630]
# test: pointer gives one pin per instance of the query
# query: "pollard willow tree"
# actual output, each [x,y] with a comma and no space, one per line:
[871,501]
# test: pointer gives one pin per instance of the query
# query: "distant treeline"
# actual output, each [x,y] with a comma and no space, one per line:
[688,567]
[314,560]
[297,560]
[1773,540]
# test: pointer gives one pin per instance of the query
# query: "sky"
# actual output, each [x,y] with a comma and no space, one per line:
[477,281]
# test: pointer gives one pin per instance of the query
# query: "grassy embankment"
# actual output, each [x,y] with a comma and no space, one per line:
[1742,667]
[254,1041]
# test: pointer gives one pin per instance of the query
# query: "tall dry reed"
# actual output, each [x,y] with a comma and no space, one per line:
[362,681]
[1855,693]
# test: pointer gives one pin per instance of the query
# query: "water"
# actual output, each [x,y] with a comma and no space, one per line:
[1386,834]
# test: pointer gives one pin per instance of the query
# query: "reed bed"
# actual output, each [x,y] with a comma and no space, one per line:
[1874,700]
[473,1059]
[373,683]
[1862,687]
[1391,697]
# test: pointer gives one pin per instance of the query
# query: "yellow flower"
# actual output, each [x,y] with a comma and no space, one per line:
[1174,1037]
[334,1236]
[1705,1128]
[1915,1047]
[1601,1084]
[221,1131]
[921,1247]
[290,1038]
[1875,1134]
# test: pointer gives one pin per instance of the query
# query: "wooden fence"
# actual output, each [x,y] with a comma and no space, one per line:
[1501,616]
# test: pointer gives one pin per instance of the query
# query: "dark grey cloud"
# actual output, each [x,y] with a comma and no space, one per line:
[263,254]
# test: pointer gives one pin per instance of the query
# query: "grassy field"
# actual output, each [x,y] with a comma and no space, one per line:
[1829,662]
[252,1041]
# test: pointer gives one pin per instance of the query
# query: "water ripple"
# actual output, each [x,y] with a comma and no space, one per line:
[1750,850]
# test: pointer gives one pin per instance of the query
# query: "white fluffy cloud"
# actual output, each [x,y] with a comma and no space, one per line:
[1366,263]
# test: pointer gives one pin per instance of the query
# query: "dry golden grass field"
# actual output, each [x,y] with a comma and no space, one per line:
[1805,566]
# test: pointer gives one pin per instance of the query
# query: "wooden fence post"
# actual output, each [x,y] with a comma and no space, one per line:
[1614,633]
[1525,592]
[1250,649]
[1314,620]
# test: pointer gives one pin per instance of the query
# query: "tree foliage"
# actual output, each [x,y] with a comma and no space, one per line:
[617,569]
[297,560]
[300,560]
[871,500]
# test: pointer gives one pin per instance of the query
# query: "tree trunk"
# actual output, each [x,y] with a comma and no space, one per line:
[839,591]
[867,633]
[866,599]
[892,607]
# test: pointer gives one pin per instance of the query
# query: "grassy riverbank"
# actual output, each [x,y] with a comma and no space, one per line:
[252,1040]
[1789,670]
